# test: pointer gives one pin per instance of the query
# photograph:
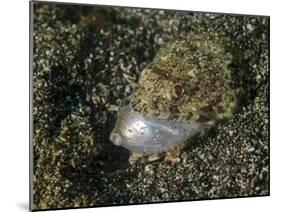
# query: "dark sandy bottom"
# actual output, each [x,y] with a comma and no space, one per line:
[82,60]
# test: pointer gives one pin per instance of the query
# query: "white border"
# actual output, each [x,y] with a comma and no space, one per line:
[257,7]
[14,88]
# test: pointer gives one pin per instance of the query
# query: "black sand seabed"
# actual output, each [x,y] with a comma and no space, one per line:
[83,58]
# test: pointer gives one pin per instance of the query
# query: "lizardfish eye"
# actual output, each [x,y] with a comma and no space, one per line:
[178,89]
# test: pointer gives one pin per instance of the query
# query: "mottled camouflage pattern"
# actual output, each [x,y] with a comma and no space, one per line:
[200,65]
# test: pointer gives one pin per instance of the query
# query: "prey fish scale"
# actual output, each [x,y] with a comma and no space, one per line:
[186,89]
